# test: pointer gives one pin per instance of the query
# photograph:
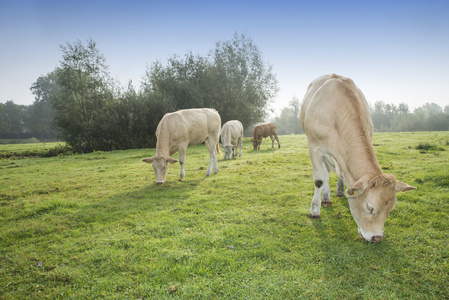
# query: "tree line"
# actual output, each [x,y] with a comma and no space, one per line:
[386,118]
[80,103]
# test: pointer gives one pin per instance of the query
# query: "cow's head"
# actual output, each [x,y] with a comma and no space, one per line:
[228,151]
[160,166]
[371,200]
[256,143]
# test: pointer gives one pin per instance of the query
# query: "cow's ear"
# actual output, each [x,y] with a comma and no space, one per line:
[172,160]
[356,188]
[403,187]
[148,160]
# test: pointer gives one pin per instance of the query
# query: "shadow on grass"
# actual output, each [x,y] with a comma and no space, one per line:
[382,267]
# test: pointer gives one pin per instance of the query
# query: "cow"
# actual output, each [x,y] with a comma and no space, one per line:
[262,131]
[336,119]
[177,130]
[232,138]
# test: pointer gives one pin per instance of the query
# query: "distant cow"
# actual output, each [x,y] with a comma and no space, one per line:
[262,131]
[336,119]
[232,138]
[184,128]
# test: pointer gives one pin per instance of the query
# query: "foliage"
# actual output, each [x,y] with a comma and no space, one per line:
[233,79]
[83,97]
[14,117]
[91,112]
[19,151]
[97,226]
[41,112]
[243,84]
[3,125]
[389,117]
[288,122]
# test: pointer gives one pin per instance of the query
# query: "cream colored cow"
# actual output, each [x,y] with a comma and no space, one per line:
[177,130]
[232,138]
[336,119]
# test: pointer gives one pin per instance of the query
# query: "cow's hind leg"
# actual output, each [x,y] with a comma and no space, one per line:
[320,181]
[239,144]
[326,191]
[182,159]
[340,187]
[213,163]
[277,139]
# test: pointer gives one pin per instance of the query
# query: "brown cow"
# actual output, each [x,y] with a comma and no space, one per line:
[262,131]
[337,121]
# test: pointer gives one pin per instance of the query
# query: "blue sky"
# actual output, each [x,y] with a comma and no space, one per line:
[395,51]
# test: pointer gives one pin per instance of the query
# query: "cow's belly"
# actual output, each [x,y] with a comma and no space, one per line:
[332,163]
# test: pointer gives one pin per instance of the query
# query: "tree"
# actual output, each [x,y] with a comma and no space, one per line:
[288,122]
[233,79]
[83,96]
[242,83]
[41,114]
[3,125]
[181,83]
[14,116]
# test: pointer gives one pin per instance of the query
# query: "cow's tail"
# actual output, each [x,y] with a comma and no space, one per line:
[218,148]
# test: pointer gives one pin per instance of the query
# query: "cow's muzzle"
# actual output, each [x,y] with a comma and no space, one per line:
[376,238]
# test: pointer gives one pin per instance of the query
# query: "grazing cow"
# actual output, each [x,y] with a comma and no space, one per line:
[262,131]
[336,119]
[177,130]
[232,138]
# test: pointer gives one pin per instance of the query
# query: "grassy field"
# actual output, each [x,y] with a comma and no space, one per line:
[31,149]
[97,226]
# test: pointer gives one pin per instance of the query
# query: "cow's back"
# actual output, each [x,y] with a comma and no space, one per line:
[334,109]
[264,130]
[231,131]
[191,126]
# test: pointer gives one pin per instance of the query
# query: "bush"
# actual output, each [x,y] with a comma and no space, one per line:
[59,150]
[426,147]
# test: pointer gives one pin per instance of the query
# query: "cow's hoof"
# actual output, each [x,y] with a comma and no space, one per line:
[340,194]
[325,203]
[314,216]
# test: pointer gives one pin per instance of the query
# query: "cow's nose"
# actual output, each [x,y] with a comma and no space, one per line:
[376,238]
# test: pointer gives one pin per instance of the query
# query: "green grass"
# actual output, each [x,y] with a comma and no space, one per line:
[15,151]
[97,226]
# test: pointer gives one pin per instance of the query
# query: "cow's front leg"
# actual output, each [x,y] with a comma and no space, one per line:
[272,141]
[320,181]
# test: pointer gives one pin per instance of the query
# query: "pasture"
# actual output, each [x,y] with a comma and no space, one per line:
[97,226]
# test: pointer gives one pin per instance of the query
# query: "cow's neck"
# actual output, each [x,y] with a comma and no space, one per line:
[359,160]
[163,143]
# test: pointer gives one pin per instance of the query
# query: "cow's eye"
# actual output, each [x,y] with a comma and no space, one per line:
[369,208]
